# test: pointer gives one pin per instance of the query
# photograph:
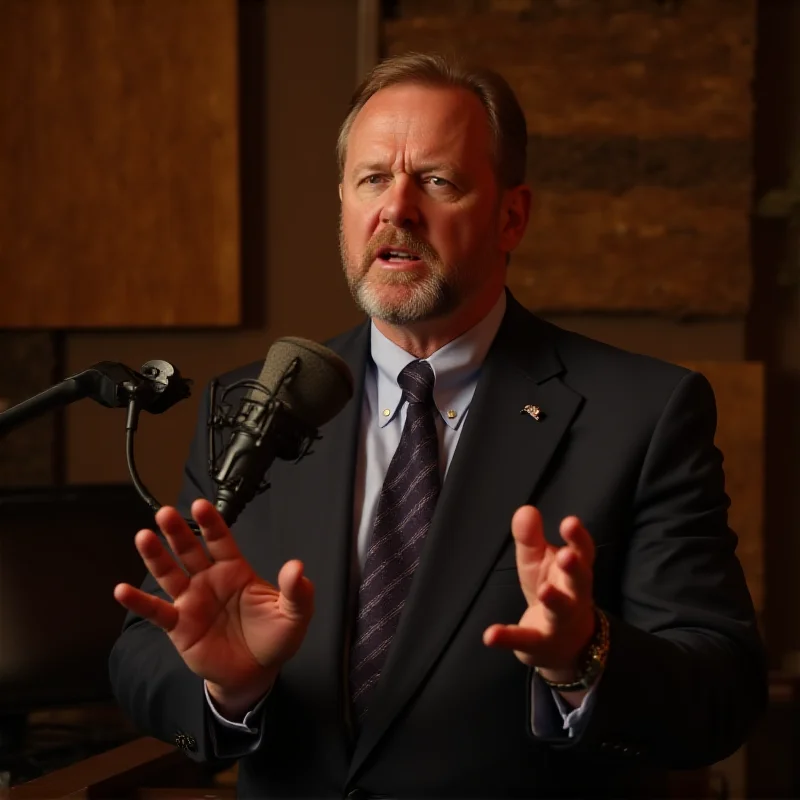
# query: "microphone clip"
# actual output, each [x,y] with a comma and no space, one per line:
[157,388]
[263,417]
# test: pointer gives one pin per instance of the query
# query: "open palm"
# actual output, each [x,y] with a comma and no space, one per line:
[229,626]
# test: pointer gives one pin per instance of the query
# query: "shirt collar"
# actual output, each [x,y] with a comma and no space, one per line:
[455,366]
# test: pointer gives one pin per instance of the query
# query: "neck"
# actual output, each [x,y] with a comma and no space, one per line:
[423,339]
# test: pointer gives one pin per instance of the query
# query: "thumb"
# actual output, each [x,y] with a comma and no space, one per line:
[297,591]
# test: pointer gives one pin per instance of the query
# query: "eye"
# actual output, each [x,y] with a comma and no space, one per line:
[372,180]
[437,181]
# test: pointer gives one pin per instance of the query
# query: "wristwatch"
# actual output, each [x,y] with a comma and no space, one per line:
[592,661]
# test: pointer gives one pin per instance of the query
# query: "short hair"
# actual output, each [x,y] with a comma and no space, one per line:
[506,119]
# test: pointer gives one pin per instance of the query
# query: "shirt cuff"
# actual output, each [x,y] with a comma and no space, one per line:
[551,714]
[247,724]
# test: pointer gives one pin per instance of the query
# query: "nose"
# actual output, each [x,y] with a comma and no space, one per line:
[400,206]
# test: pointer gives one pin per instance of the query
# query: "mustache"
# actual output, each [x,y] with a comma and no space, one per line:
[398,237]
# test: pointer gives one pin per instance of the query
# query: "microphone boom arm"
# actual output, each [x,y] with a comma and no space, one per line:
[158,387]
[62,394]
[113,385]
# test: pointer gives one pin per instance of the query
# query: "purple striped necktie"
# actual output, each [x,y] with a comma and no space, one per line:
[405,510]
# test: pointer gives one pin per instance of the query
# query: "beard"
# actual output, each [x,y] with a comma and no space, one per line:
[400,298]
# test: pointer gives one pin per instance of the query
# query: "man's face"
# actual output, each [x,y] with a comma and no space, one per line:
[420,217]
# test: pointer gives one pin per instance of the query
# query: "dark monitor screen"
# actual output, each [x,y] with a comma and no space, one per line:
[62,551]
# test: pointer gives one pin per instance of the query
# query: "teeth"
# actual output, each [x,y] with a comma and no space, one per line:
[395,254]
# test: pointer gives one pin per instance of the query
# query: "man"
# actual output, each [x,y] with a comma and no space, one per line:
[506,569]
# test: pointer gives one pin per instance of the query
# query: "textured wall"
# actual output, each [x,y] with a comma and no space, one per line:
[739,390]
[640,137]
[27,454]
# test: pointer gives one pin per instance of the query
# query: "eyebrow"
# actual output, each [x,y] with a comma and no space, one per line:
[378,166]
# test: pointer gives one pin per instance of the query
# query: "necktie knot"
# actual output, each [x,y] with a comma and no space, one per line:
[416,380]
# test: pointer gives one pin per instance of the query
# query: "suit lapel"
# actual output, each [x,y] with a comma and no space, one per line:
[501,455]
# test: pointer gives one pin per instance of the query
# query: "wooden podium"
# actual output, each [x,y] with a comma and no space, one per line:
[144,769]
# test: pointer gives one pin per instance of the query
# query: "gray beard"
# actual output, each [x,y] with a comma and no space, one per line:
[429,297]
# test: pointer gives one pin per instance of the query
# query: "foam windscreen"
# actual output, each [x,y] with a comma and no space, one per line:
[321,386]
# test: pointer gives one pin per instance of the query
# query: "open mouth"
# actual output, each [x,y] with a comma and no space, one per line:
[395,255]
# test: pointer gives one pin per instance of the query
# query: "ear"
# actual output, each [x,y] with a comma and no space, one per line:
[340,192]
[515,211]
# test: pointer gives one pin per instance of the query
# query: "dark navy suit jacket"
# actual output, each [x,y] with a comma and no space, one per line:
[624,442]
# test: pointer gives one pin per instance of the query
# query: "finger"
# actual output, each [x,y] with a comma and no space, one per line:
[513,637]
[528,532]
[577,557]
[576,576]
[218,537]
[556,601]
[297,591]
[145,605]
[182,540]
[578,538]
[534,556]
[160,564]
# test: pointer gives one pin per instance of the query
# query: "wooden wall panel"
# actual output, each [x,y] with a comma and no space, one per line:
[118,163]
[739,389]
[639,149]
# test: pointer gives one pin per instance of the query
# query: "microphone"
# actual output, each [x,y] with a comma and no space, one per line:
[302,386]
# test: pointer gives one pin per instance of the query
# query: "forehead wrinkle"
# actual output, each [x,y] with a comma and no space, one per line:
[399,155]
[412,139]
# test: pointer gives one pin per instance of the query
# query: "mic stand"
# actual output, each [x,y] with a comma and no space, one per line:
[158,387]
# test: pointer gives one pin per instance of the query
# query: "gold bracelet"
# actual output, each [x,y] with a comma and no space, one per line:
[593,661]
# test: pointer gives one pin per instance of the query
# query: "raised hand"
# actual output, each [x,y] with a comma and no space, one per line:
[557,583]
[229,626]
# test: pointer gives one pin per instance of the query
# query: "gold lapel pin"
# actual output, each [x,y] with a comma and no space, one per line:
[533,411]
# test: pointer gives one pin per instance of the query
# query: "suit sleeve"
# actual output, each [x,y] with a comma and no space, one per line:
[686,673]
[152,684]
